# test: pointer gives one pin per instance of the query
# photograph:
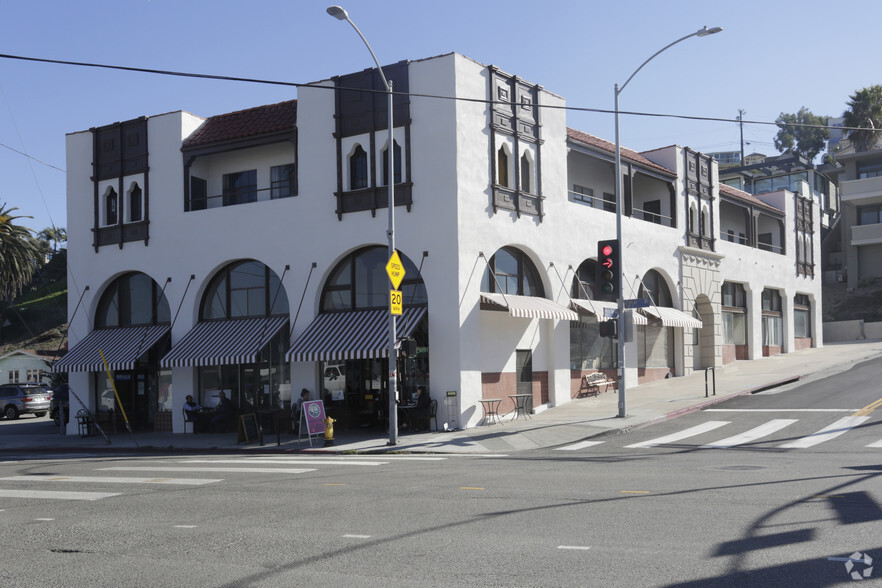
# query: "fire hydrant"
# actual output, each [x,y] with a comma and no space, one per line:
[329,431]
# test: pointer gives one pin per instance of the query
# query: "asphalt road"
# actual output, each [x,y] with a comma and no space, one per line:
[725,506]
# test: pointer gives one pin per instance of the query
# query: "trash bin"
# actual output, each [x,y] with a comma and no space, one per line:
[85,423]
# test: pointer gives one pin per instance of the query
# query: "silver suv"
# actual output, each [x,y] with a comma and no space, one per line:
[16,399]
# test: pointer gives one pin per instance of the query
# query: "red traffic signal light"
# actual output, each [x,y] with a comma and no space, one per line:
[607,274]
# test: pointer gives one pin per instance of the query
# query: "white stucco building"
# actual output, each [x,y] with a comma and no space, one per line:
[245,252]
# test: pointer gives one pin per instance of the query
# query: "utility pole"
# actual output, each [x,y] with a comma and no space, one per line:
[741,114]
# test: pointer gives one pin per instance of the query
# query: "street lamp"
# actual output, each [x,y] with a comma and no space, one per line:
[340,14]
[703,32]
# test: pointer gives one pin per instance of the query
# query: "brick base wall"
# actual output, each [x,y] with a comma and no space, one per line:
[501,384]
[646,375]
[800,343]
[770,350]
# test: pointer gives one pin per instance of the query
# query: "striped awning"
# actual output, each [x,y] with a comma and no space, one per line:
[122,348]
[671,317]
[356,334]
[596,307]
[225,342]
[527,306]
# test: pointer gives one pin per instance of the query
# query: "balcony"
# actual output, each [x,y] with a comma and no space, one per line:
[868,191]
[866,234]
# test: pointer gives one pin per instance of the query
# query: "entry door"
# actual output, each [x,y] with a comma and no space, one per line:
[524,368]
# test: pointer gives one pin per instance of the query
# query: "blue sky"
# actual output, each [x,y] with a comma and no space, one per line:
[773,56]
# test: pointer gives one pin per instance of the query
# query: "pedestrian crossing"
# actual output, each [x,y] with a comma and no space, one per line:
[191,472]
[763,433]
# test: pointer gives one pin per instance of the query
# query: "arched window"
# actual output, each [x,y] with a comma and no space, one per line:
[132,300]
[691,227]
[509,271]
[135,203]
[703,228]
[583,281]
[110,207]
[655,288]
[502,167]
[397,151]
[526,173]
[359,282]
[358,169]
[244,289]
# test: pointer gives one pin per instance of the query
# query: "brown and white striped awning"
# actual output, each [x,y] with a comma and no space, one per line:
[671,317]
[224,342]
[596,307]
[356,334]
[122,348]
[527,306]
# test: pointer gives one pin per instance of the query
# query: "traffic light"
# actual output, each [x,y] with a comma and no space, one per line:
[608,328]
[607,274]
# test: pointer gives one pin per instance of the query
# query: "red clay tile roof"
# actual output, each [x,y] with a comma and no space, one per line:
[603,145]
[747,197]
[262,120]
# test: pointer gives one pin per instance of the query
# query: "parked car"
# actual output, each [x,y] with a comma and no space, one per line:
[60,396]
[18,399]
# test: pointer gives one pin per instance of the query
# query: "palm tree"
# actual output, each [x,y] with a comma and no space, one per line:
[53,234]
[865,111]
[19,254]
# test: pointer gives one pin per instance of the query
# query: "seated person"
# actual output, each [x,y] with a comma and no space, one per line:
[423,404]
[191,413]
[224,414]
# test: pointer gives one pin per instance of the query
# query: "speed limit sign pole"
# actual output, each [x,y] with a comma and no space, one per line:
[395,270]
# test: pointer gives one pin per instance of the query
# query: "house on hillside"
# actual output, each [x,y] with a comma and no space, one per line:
[24,366]
[246,253]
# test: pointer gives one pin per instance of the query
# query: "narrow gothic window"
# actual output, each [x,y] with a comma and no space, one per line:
[110,207]
[502,167]
[525,173]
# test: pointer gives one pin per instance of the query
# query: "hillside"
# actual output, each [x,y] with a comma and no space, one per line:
[864,302]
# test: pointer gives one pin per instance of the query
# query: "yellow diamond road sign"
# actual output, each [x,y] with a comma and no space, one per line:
[395,269]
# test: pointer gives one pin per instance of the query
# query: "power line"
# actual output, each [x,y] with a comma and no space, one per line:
[409,94]
[32,157]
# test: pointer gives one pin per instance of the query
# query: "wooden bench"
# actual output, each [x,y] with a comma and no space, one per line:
[594,384]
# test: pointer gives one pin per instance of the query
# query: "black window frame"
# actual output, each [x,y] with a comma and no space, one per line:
[285,185]
[240,187]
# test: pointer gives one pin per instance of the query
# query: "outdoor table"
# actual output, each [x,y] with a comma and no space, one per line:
[520,402]
[407,411]
[491,410]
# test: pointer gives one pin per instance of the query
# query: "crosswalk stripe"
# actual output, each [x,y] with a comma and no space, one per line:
[751,435]
[210,469]
[876,444]
[287,461]
[691,432]
[579,445]
[48,494]
[111,480]
[841,426]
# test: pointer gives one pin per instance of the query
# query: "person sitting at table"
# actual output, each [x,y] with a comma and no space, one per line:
[224,413]
[191,412]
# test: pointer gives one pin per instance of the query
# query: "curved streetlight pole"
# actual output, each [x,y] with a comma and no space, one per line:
[392,387]
[703,32]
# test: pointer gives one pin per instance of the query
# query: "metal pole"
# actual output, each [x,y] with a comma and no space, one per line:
[393,356]
[620,303]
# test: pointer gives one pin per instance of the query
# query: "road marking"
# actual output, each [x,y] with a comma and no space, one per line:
[751,435]
[581,547]
[579,445]
[185,526]
[869,408]
[778,409]
[294,461]
[876,444]
[350,536]
[112,480]
[213,470]
[47,494]
[386,456]
[841,426]
[44,519]
[697,430]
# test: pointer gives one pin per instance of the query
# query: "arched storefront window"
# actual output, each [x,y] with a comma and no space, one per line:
[133,299]
[655,342]
[246,299]
[583,280]
[510,271]
[244,289]
[355,297]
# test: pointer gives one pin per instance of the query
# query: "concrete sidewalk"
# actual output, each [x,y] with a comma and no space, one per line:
[575,421]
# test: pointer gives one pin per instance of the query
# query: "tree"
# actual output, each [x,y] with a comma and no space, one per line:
[864,112]
[19,254]
[793,135]
[53,235]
